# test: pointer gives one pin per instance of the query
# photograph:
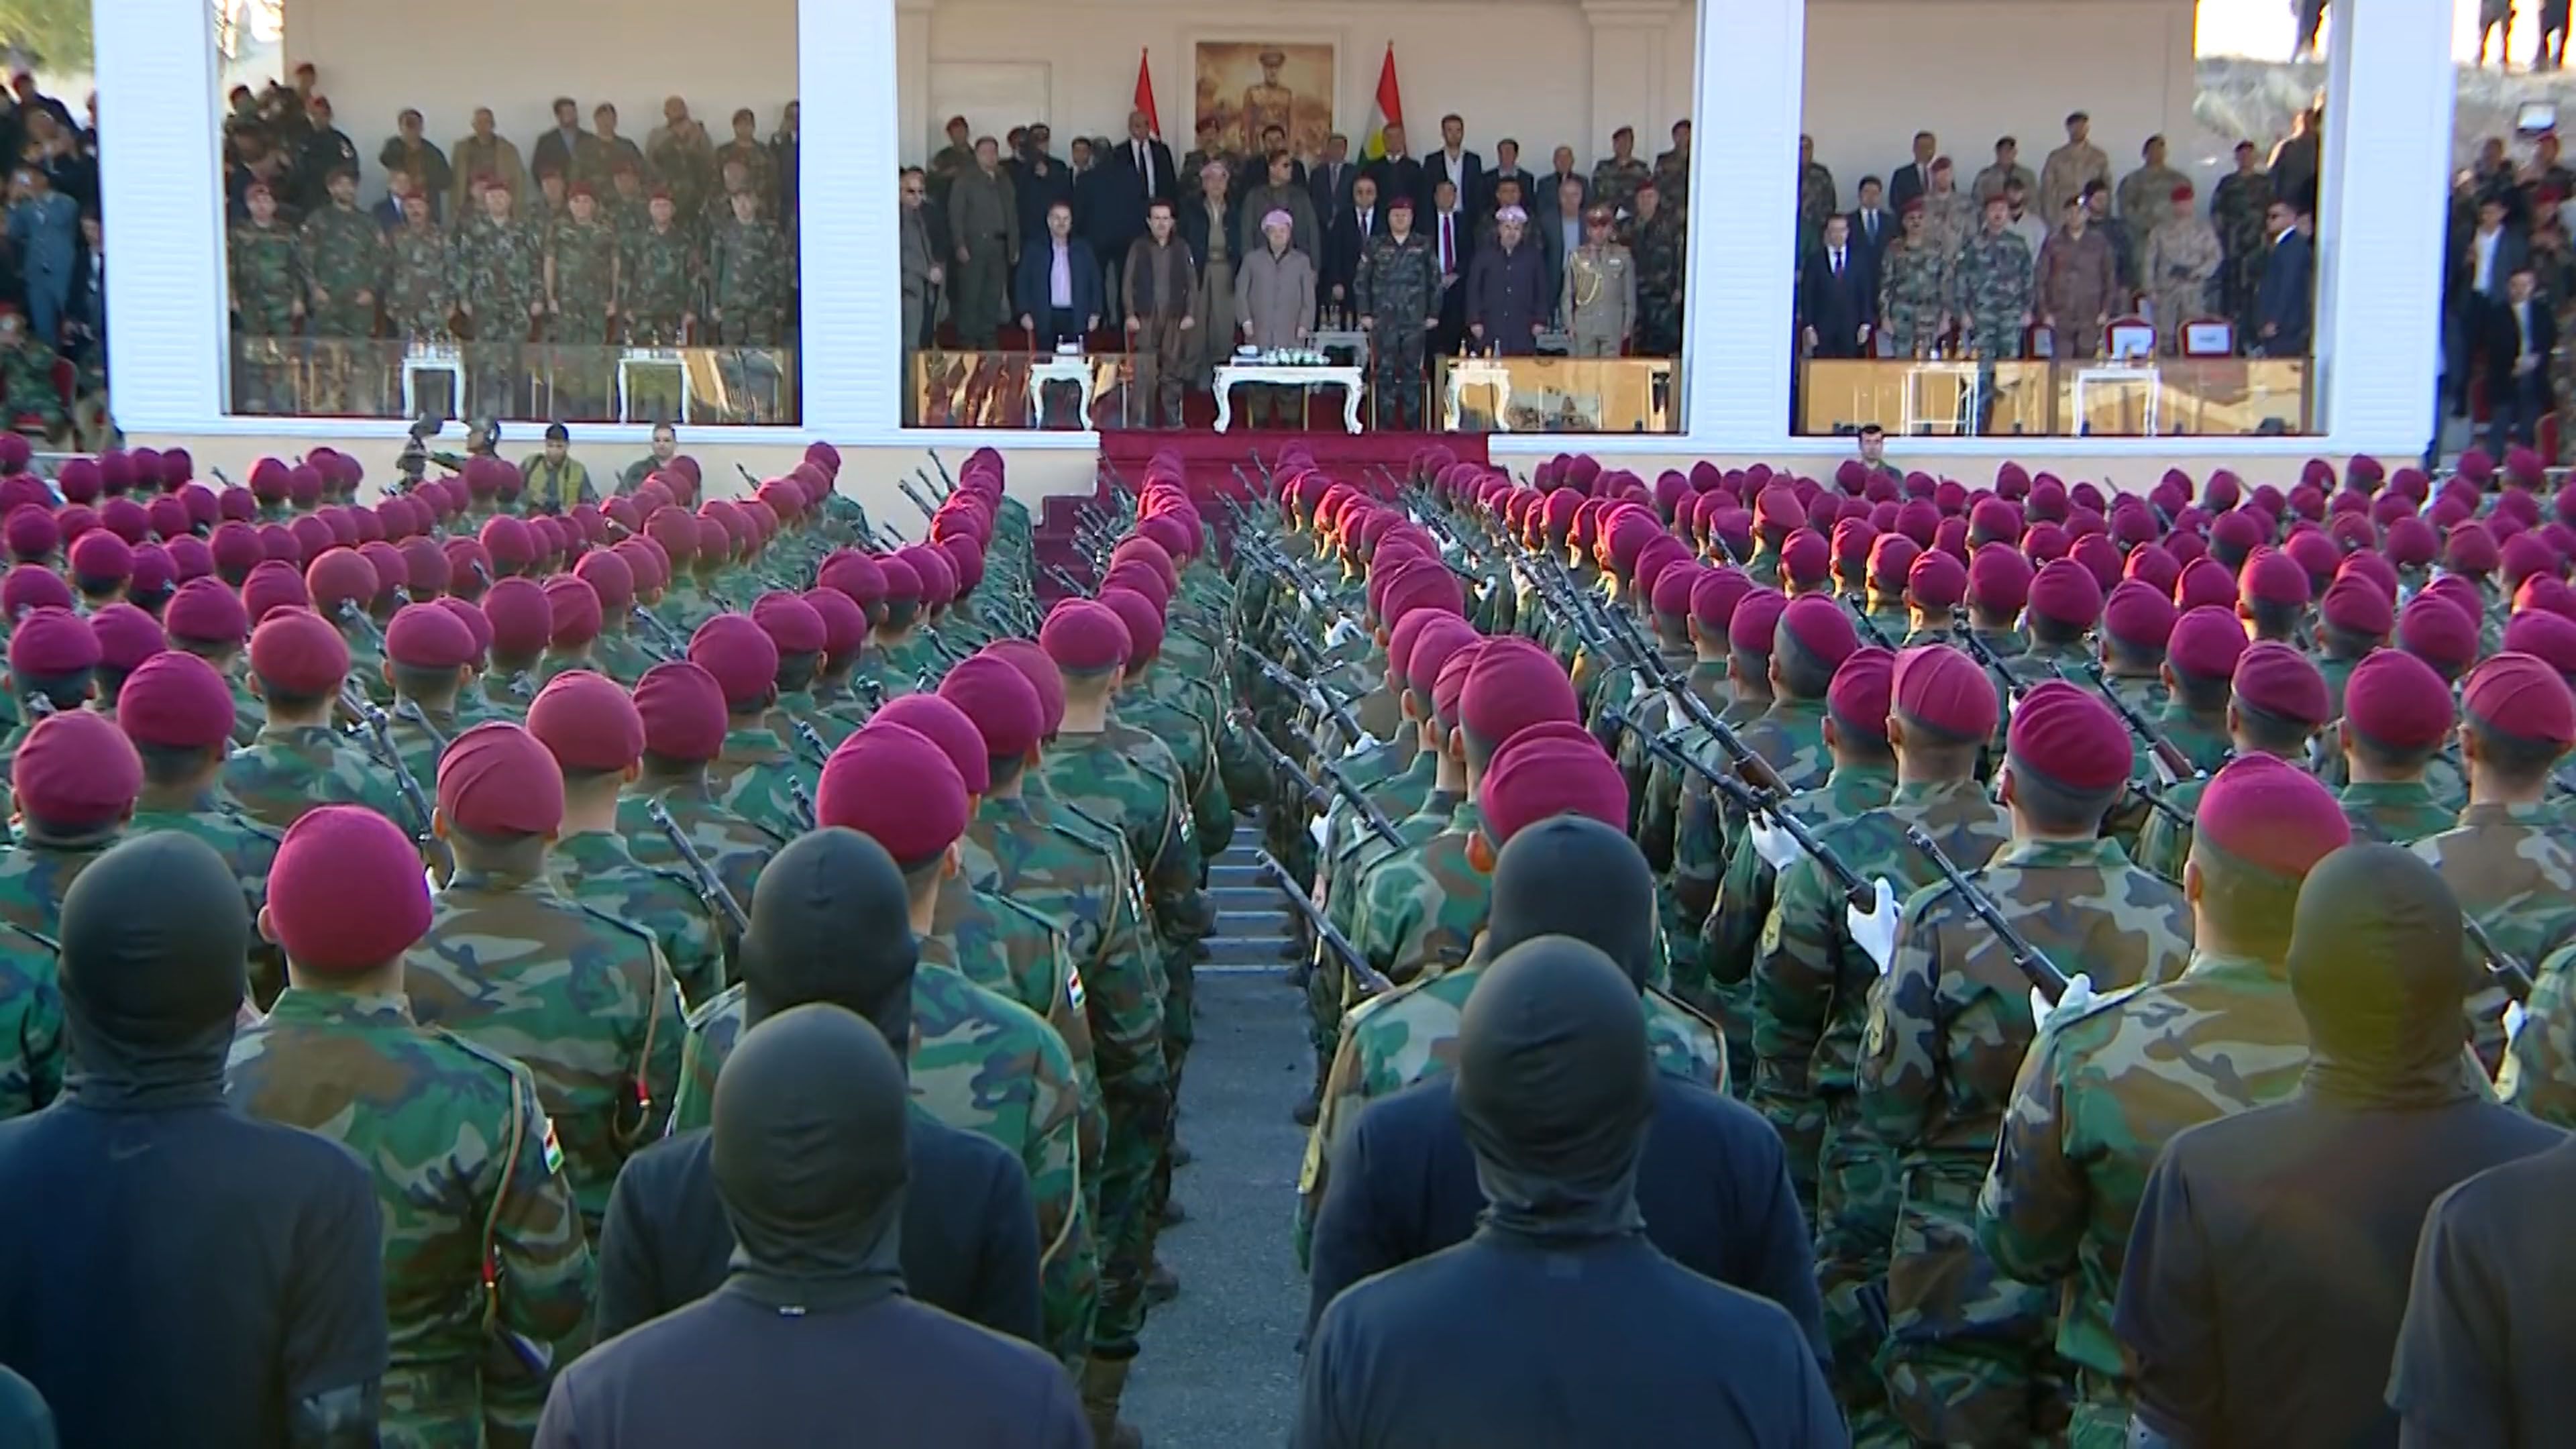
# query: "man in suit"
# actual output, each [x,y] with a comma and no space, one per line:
[1507,167]
[1328,182]
[1560,223]
[1453,246]
[1361,222]
[1458,166]
[1399,174]
[2284,303]
[1058,286]
[1139,174]
[2521,334]
[1871,227]
[1915,177]
[2481,268]
[1560,171]
[1834,305]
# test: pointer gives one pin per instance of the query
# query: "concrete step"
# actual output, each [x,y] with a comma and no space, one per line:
[1247,951]
[1252,924]
[1261,897]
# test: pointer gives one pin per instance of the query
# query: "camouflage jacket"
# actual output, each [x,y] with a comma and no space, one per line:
[1193,747]
[471,1180]
[660,278]
[585,261]
[2513,872]
[34,874]
[980,1063]
[421,733]
[749,265]
[2397,812]
[1007,948]
[1950,1020]
[1811,984]
[598,870]
[247,846]
[1790,737]
[31,1020]
[344,254]
[733,847]
[754,777]
[2101,1093]
[500,274]
[294,768]
[583,999]
[1421,909]
[1099,776]
[1991,284]
[420,286]
[1732,935]
[266,270]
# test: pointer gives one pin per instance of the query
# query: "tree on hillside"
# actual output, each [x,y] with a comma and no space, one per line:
[55,33]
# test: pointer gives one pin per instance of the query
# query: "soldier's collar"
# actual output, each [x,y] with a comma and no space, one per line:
[2490,812]
[321,1003]
[1912,791]
[2418,788]
[2102,851]
[2214,965]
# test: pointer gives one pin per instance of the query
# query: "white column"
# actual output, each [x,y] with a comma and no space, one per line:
[1628,37]
[164,188]
[853,308]
[913,122]
[1744,148]
[2380,223]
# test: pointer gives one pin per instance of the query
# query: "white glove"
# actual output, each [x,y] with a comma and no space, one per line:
[2079,994]
[1772,843]
[2514,1016]
[1874,931]
[1363,743]
[1342,632]
[1317,829]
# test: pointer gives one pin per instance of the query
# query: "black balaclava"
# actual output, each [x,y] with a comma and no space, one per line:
[831,921]
[1574,876]
[2376,967]
[807,1147]
[154,937]
[1554,1088]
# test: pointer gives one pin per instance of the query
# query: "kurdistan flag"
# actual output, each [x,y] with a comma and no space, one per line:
[1386,110]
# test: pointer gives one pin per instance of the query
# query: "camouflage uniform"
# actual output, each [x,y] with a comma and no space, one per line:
[751,778]
[1111,777]
[2101,1093]
[1421,909]
[749,265]
[659,285]
[266,269]
[1991,290]
[733,847]
[2181,259]
[1615,182]
[1398,291]
[1658,248]
[31,1019]
[500,275]
[2236,209]
[27,380]
[583,999]
[1914,294]
[584,256]
[471,1180]
[1816,202]
[294,768]
[1808,1001]
[2398,812]
[2539,1075]
[2514,873]
[1009,949]
[980,1063]
[1081,885]
[248,847]
[1790,738]
[420,293]
[344,255]
[597,870]
[1967,1357]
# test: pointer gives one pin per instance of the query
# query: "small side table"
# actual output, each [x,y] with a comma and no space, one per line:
[644,362]
[1301,376]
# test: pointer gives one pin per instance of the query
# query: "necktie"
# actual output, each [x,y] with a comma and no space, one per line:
[1838,262]
[1446,263]
[1145,167]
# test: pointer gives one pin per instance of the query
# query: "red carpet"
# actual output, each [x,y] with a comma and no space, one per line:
[1220,465]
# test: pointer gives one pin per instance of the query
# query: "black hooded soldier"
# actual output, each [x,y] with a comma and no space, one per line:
[812,1335]
[179,1273]
[1558,1322]
[2294,1225]
[830,923]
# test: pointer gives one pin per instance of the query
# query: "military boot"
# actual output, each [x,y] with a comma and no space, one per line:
[1104,1382]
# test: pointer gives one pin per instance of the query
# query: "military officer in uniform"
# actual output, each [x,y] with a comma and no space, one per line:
[1398,292]
[1599,299]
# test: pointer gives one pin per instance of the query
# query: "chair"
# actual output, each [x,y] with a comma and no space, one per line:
[2208,337]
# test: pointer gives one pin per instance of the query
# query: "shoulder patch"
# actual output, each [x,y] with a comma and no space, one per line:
[553,1148]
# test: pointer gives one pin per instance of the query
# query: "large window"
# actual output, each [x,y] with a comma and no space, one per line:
[2049,243]
[513,211]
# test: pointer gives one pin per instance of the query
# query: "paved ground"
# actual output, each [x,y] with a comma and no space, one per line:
[1220,1362]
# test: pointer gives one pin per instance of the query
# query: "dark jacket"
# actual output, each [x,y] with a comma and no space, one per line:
[1401,176]
[1194,226]
[1910,181]
[1871,250]
[1529,190]
[1506,291]
[970,1242]
[1469,178]
[1837,306]
[1331,191]
[1713,1186]
[1031,287]
[2285,300]
[1038,194]
[1119,192]
[1347,244]
[2501,341]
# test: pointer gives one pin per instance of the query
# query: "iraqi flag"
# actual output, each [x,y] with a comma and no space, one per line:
[1387,109]
[1145,94]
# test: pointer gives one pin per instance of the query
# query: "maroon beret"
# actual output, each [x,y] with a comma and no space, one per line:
[1546,770]
[2545,634]
[683,709]
[102,556]
[1821,627]
[299,652]
[495,779]
[1040,671]
[1084,636]
[1936,580]
[472,617]
[126,636]
[855,574]
[1945,690]
[845,624]
[2204,583]
[52,641]
[1756,624]
[1714,595]
[2065,592]
[2397,700]
[2139,615]
[2271,576]
[339,576]
[273,586]
[176,701]
[2070,737]
[2205,643]
[1433,651]
[346,893]
[1805,559]
[1001,702]
[740,654]
[1999,580]
[1859,697]
[2440,633]
[425,636]
[75,770]
[206,611]
[2521,696]
[611,578]
[2356,605]
[2271,815]
[586,722]
[893,784]
[2281,682]
[572,611]
[944,724]
[507,540]
[1513,685]
[30,532]
[2470,549]
[32,586]
[521,618]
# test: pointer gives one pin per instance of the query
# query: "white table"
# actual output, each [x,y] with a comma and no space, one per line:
[644,360]
[1485,372]
[1965,383]
[443,360]
[1301,376]
[1069,367]
[2104,379]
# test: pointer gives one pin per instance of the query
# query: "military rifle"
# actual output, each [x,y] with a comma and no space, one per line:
[1317,797]
[2042,972]
[1752,800]
[2167,757]
[1368,979]
[924,504]
[943,469]
[2510,971]
[1858,603]
[1310,692]
[812,740]
[804,804]
[711,887]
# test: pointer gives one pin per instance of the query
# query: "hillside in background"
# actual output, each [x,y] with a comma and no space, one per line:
[2254,100]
